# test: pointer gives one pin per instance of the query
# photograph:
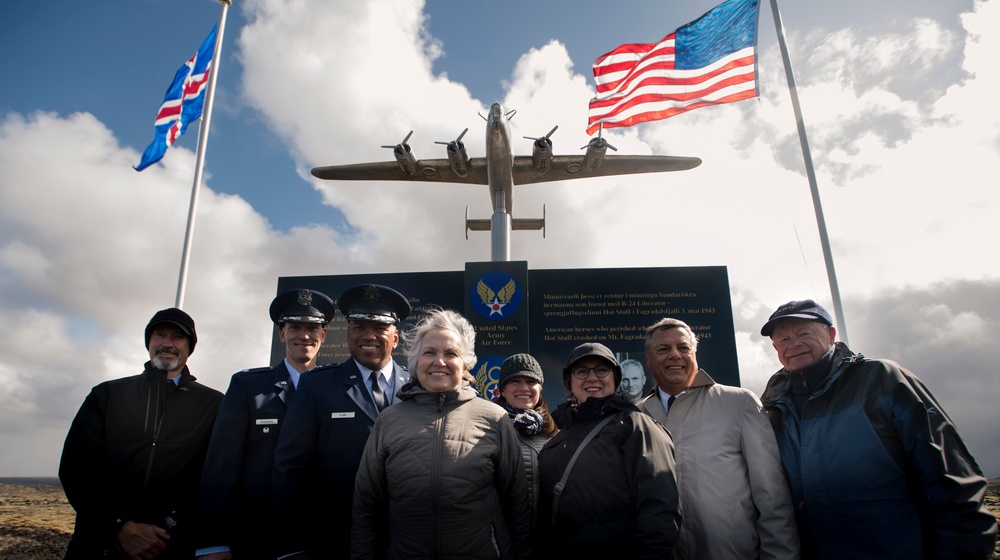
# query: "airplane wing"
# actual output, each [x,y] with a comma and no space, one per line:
[562,168]
[573,167]
[434,170]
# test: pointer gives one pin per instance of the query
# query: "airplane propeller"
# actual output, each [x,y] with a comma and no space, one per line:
[457,156]
[402,145]
[405,159]
[544,138]
[596,149]
[541,152]
[599,143]
[456,142]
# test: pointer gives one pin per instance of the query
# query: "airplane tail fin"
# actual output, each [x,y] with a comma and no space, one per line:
[515,223]
[528,223]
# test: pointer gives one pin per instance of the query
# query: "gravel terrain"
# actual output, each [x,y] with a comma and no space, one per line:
[36,520]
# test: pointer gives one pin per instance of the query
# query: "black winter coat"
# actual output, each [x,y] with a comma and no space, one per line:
[135,452]
[621,498]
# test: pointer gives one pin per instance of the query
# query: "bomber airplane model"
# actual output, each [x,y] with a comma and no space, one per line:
[500,170]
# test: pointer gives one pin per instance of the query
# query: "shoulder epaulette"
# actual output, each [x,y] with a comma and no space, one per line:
[325,367]
[255,370]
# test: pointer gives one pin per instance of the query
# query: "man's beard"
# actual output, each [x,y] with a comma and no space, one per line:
[165,362]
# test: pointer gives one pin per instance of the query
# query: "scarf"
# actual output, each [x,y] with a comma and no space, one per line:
[527,422]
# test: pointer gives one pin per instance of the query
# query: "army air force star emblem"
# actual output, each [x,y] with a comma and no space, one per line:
[496,296]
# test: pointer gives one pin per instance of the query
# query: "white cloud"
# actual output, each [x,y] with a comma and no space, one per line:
[89,248]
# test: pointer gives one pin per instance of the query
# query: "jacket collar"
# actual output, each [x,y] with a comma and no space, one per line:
[593,407]
[152,371]
[836,361]
[413,391]
[701,379]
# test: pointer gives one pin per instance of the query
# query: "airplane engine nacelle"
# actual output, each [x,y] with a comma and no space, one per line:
[541,155]
[405,159]
[596,149]
[458,158]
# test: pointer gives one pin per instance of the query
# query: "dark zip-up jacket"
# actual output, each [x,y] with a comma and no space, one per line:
[876,468]
[134,452]
[621,498]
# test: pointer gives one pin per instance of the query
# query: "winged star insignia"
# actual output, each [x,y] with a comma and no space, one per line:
[496,301]
[485,380]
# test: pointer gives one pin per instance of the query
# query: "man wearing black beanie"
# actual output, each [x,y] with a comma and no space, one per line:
[134,453]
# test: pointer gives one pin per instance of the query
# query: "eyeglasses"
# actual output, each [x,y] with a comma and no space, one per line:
[582,373]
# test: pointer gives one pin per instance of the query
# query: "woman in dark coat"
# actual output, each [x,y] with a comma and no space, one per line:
[620,499]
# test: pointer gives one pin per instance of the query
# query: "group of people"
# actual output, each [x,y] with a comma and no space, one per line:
[841,456]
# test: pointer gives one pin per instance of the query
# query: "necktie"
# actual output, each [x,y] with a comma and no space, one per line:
[377,392]
[670,404]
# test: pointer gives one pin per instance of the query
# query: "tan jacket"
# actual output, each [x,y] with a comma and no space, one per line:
[734,495]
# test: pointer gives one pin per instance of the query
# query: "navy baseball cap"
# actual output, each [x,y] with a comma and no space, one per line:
[806,309]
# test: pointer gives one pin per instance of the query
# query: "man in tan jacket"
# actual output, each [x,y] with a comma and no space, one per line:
[735,501]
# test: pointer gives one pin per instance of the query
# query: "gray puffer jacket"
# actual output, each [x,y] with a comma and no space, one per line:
[441,477]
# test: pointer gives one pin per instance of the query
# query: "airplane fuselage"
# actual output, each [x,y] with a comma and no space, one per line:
[500,166]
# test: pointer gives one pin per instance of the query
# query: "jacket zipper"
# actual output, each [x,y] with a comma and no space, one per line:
[435,475]
[157,424]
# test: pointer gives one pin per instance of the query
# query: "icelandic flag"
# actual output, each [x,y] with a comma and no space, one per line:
[182,103]
[708,61]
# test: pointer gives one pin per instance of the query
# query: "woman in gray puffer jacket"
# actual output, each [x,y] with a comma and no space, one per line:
[441,475]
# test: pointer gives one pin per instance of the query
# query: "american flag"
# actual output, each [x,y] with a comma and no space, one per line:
[709,61]
[182,103]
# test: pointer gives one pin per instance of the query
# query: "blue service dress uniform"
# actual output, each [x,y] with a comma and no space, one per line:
[317,458]
[235,493]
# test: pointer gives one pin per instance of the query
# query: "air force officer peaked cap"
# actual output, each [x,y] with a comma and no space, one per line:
[302,306]
[373,302]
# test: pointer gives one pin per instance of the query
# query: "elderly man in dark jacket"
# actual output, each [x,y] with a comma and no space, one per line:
[134,453]
[876,468]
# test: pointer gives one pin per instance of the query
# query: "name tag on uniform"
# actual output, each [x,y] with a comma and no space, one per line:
[267,421]
[341,415]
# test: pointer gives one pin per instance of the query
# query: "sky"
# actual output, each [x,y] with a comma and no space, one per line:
[898,99]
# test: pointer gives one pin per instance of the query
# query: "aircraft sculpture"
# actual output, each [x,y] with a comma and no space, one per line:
[501,170]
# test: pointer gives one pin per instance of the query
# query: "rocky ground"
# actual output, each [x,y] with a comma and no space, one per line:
[36,520]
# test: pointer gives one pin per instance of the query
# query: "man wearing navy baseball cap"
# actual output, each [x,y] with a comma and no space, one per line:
[235,491]
[876,467]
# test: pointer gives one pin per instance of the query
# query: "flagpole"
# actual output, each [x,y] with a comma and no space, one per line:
[811,174]
[206,118]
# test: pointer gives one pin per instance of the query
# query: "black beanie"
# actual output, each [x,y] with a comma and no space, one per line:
[177,317]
